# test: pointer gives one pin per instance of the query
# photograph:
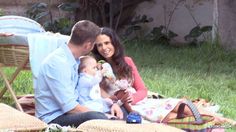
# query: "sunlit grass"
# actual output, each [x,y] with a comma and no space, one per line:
[23,84]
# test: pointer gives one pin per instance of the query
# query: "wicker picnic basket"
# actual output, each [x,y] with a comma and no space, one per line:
[14,55]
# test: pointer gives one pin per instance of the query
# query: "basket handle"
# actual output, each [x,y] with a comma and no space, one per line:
[193,109]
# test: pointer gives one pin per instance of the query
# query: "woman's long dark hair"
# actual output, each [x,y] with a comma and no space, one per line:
[120,67]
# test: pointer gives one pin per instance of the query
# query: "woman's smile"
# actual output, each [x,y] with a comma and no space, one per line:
[106,52]
[104,46]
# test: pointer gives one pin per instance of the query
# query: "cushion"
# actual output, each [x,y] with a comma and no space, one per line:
[122,126]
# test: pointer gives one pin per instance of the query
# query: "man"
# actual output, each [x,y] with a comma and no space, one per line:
[55,91]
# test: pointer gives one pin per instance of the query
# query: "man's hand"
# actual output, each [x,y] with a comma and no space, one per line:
[116,111]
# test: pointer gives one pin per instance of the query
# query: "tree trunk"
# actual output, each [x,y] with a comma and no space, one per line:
[215,24]
[227,23]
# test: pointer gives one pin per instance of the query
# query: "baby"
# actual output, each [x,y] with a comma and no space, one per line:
[88,86]
[114,86]
[89,89]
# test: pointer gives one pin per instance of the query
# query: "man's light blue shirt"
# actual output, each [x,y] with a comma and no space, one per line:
[55,91]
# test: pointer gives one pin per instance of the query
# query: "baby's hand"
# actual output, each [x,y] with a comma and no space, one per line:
[108,71]
[99,66]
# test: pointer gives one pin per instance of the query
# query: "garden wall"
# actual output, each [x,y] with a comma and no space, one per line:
[178,17]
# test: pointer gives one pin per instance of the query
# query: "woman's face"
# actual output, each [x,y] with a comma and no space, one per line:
[104,46]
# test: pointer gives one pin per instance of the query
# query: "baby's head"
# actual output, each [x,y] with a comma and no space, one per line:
[88,65]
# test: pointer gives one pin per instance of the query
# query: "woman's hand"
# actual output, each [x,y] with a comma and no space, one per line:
[130,97]
[127,98]
[116,111]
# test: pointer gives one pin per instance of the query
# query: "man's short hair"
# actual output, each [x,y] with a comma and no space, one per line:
[84,31]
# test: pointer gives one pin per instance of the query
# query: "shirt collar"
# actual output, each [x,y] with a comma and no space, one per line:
[70,56]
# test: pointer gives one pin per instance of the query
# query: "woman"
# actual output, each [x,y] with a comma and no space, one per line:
[109,48]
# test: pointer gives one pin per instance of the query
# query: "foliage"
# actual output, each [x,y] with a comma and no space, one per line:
[61,25]
[194,35]
[41,12]
[109,13]
[1,12]
[70,7]
[135,25]
[38,11]
[162,35]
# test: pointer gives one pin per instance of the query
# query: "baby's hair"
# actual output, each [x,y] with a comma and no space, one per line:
[84,62]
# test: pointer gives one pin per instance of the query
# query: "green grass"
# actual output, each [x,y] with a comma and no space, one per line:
[206,72]
[23,84]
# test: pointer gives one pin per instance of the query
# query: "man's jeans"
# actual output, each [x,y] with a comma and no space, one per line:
[76,119]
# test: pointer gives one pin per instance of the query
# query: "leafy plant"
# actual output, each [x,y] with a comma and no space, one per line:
[1,12]
[162,35]
[110,13]
[40,12]
[135,25]
[194,35]
[61,25]
[70,7]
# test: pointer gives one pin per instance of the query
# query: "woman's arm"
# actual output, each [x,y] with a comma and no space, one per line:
[138,84]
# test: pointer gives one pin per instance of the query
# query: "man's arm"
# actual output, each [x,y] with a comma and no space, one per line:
[79,108]
[58,78]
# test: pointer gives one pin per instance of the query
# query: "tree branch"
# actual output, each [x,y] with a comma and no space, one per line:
[118,19]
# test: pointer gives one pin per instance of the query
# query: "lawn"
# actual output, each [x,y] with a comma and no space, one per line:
[205,71]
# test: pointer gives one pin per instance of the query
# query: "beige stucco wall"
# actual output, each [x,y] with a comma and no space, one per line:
[227,23]
[182,21]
